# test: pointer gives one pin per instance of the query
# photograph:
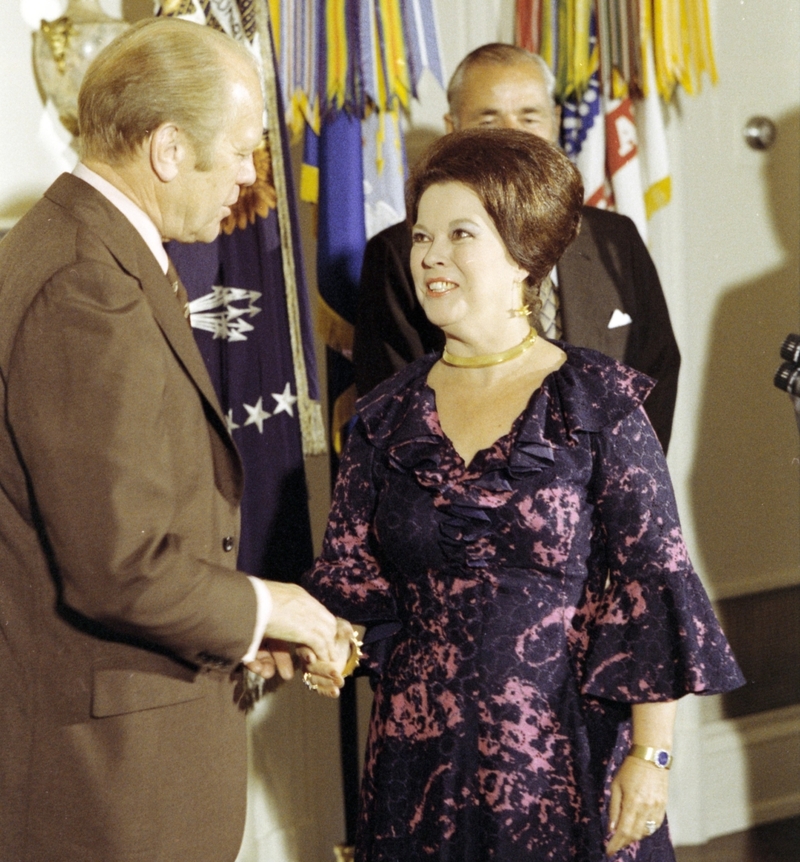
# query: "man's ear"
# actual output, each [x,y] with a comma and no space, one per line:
[168,149]
[449,125]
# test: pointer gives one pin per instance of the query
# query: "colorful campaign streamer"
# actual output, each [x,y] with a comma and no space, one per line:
[368,58]
[618,63]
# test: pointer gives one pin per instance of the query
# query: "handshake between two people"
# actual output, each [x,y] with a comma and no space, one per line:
[299,625]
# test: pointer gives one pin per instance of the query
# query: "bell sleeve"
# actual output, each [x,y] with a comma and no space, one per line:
[647,629]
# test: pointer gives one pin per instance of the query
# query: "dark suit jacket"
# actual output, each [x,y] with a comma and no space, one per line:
[606,268]
[123,616]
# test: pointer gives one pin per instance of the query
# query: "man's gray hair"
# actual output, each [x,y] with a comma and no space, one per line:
[157,71]
[497,54]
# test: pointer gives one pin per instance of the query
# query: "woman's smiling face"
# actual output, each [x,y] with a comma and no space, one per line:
[463,273]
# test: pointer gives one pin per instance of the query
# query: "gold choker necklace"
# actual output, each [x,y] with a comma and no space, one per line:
[490,358]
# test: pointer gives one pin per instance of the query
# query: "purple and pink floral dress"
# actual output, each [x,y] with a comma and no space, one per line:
[515,608]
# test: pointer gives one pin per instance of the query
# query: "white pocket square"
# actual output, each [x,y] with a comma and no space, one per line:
[619,318]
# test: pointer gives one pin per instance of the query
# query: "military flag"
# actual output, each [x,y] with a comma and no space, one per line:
[341,238]
[618,64]
[583,130]
[359,74]
[622,162]
[650,125]
[252,321]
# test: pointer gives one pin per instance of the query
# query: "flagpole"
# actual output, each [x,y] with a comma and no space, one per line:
[310,412]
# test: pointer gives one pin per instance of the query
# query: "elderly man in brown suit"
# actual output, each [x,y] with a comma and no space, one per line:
[123,618]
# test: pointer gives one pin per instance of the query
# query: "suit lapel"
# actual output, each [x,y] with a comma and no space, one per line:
[169,316]
[589,297]
[134,257]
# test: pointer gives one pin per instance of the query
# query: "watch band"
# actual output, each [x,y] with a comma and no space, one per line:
[657,756]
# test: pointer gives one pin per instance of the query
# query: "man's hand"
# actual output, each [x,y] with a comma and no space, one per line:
[274,656]
[300,619]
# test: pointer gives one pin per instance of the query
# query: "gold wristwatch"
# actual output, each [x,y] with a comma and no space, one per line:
[658,756]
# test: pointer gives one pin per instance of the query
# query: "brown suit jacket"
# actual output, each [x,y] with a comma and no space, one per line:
[123,616]
[606,268]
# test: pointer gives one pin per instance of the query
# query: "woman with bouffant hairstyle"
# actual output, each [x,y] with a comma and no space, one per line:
[505,535]
[531,192]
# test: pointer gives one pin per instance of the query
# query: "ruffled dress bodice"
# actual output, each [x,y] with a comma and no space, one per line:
[516,607]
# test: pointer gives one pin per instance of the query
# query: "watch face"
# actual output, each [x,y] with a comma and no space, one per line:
[662,758]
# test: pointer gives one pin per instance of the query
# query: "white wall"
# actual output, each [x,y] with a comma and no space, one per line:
[734,273]
[728,249]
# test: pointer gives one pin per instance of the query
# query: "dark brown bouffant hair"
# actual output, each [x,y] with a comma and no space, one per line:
[529,188]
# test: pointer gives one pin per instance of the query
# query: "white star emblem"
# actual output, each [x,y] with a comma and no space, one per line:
[229,421]
[285,401]
[256,415]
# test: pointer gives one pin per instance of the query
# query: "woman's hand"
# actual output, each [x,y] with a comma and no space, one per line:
[638,795]
[325,677]
[639,789]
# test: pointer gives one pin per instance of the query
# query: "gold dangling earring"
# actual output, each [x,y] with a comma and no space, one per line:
[524,310]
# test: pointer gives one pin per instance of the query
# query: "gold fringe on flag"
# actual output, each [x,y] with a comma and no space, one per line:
[547,48]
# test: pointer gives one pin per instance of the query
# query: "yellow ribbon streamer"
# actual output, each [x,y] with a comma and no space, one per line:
[275,20]
[581,58]
[564,79]
[336,33]
[397,85]
[645,28]
[546,47]
[682,44]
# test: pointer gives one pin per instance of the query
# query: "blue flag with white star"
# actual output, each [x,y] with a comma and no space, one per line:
[239,318]
[251,318]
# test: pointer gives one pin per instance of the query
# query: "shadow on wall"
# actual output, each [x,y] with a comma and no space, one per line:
[745,483]
[417,141]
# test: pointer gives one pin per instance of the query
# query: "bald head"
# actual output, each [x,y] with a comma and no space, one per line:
[503,86]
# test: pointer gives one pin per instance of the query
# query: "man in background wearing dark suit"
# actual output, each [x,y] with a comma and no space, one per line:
[606,291]
[123,619]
